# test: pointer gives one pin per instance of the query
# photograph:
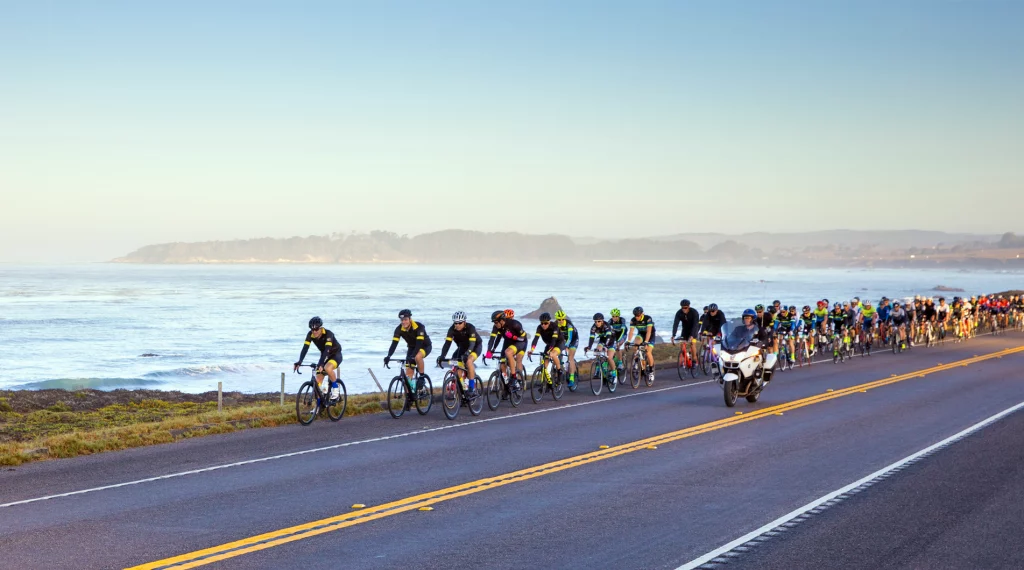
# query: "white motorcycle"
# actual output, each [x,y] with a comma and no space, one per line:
[744,371]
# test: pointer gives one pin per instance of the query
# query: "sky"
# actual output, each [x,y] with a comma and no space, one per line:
[124,124]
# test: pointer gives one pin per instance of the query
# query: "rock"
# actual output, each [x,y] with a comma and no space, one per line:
[550,305]
[945,289]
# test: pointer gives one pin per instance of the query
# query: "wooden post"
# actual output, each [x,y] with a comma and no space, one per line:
[220,396]
[384,402]
[282,388]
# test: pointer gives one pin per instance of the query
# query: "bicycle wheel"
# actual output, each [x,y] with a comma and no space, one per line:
[648,374]
[305,404]
[396,397]
[425,396]
[450,397]
[558,385]
[494,390]
[681,364]
[693,368]
[336,408]
[705,360]
[515,395]
[596,377]
[536,383]
[476,397]
[634,371]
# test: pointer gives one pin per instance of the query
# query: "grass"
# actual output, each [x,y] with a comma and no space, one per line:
[58,432]
[62,425]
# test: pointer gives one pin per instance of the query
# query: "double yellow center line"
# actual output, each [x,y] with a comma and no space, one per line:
[299,532]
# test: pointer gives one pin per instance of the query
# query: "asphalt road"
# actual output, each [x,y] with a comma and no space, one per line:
[656,504]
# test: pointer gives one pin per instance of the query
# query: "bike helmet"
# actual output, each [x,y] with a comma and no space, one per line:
[405,314]
[598,317]
[509,314]
[497,316]
[712,307]
[705,308]
[637,311]
[792,308]
[822,304]
[616,313]
[545,317]
[776,302]
[749,313]
[759,307]
[315,323]
[837,306]
[867,302]
[459,317]
[559,315]
[941,299]
[684,303]
[855,300]
[807,308]
[895,304]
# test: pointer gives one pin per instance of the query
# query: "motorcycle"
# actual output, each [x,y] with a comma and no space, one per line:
[744,368]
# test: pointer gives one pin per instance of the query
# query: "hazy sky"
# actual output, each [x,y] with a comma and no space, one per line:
[129,123]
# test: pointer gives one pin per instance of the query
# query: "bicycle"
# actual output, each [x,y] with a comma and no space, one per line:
[402,394]
[942,332]
[563,359]
[311,401]
[803,350]
[499,388]
[686,362]
[543,378]
[707,358]
[598,377]
[639,367]
[782,356]
[454,394]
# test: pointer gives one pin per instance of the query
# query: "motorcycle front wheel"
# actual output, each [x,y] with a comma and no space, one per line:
[729,391]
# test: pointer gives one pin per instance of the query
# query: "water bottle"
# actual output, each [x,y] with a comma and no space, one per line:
[325,385]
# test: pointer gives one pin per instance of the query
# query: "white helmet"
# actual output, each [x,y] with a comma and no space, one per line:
[459,317]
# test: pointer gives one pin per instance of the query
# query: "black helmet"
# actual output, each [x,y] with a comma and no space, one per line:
[598,316]
[315,323]
[684,303]
[637,311]
[706,308]
[405,313]
[496,315]
[759,307]
[713,307]
[545,317]
[776,302]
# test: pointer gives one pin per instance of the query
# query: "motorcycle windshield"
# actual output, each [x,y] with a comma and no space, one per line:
[738,338]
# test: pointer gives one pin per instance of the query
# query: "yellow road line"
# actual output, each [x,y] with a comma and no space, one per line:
[307,530]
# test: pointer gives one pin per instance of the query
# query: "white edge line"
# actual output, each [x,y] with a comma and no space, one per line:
[697,562]
[340,445]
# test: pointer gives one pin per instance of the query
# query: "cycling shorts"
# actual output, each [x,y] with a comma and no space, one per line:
[868,322]
[520,345]
[464,355]
[410,355]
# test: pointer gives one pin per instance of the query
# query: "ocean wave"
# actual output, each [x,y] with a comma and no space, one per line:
[82,383]
[210,370]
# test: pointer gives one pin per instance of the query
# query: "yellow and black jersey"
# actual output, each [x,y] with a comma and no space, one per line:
[415,337]
[326,342]
[467,340]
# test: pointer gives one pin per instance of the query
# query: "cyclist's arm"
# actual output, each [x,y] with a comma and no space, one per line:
[394,341]
[536,337]
[675,323]
[493,340]
[305,348]
[448,341]
[591,343]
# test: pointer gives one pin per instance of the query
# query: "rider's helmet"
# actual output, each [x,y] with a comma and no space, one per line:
[559,315]
[895,304]
[405,314]
[616,313]
[822,304]
[867,302]
[758,308]
[776,302]
[598,317]
[545,317]
[497,316]
[855,300]
[792,308]
[713,307]
[807,308]
[942,299]
[315,323]
[459,317]
[706,308]
[836,305]
[509,314]
[749,313]
[684,303]
[637,311]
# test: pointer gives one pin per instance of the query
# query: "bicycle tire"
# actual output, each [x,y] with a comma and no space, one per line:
[515,397]
[537,385]
[476,398]
[596,378]
[681,364]
[336,410]
[305,407]
[396,397]
[494,390]
[634,371]
[558,385]
[704,359]
[451,399]
[425,397]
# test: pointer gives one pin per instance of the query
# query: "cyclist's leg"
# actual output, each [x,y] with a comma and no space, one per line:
[510,358]
[421,355]
[571,351]
[331,368]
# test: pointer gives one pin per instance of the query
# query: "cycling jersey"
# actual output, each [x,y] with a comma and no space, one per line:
[466,341]
[642,326]
[838,318]
[883,313]
[552,337]
[712,323]
[330,348]
[513,334]
[603,334]
[899,316]
[868,314]
[415,338]
[689,320]
[620,328]
[808,320]
[928,313]
[569,335]
[784,322]
[942,312]
[820,316]
[766,321]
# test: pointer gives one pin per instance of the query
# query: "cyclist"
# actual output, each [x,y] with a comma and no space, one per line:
[806,325]
[837,318]
[571,338]
[942,313]
[766,322]
[418,343]
[911,310]
[785,321]
[868,319]
[688,318]
[605,336]
[330,354]
[644,326]
[468,344]
[553,341]
[621,328]
[883,318]
[821,316]
[712,322]
[899,319]
[514,347]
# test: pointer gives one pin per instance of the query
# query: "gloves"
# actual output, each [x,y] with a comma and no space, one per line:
[489,355]
[586,350]
[439,361]
[386,364]
[508,334]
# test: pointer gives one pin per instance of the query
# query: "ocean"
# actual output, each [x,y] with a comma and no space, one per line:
[187,327]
